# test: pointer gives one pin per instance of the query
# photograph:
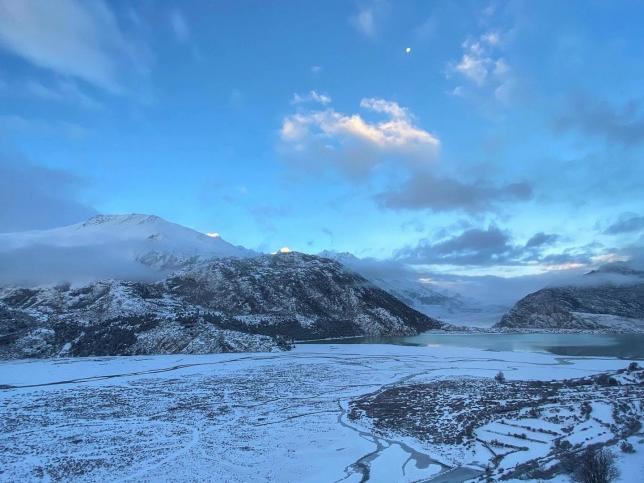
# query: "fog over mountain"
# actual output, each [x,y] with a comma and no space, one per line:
[610,298]
[129,247]
[138,247]
[424,291]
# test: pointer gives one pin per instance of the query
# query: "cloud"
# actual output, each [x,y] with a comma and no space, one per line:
[20,125]
[424,190]
[364,22]
[62,91]
[357,146]
[56,264]
[622,125]
[482,65]
[495,247]
[179,26]
[352,143]
[627,223]
[473,64]
[472,247]
[541,239]
[367,19]
[481,290]
[35,197]
[311,96]
[75,38]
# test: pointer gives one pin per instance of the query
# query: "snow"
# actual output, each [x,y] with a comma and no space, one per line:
[106,246]
[631,465]
[240,417]
[157,234]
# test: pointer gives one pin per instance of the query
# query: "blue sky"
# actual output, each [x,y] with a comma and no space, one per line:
[507,140]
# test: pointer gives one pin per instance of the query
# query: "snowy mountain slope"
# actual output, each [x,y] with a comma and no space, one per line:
[106,246]
[325,298]
[610,298]
[218,305]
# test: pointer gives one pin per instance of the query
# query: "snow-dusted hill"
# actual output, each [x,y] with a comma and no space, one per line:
[106,246]
[218,305]
[610,298]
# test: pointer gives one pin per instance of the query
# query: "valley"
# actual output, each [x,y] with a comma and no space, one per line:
[315,410]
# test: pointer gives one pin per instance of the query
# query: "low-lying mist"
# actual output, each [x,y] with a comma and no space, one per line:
[41,265]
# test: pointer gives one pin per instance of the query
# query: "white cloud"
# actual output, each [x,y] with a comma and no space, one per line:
[364,22]
[19,125]
[474,67]
[311,96]
[386,107]
[62,91]
[71,37]
[369,16]
[483,66]
[491,38]
[392,148]
[179,26]
[353,143]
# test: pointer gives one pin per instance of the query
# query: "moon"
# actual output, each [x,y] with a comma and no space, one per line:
[408,50]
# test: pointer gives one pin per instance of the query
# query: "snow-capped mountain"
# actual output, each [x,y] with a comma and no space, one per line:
[610,298]
[106,246]
[227,304]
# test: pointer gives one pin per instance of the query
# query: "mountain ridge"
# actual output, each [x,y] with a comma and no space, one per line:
[216,305]
[133,246]
[610,298]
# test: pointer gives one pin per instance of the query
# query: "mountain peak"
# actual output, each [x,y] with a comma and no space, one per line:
[618,268]
[130,246]
[130,219]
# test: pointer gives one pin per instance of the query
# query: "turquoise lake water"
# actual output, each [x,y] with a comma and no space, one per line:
[626,346]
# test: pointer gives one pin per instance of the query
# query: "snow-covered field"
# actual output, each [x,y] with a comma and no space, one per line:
[251,417]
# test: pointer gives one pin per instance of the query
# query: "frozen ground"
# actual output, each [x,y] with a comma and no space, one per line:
[257,417]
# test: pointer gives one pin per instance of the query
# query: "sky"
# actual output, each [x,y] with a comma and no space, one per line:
[465,137]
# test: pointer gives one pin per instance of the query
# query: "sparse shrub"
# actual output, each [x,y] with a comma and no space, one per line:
[633,426]
[626,447]
[586,409]
[633,366]
[500,377]
[596,466]
[563,444]
[606,380]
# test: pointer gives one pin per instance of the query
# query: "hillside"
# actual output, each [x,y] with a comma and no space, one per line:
[218,305]
[610,299]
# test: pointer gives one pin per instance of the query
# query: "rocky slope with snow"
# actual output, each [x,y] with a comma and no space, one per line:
[216,305]
[608,299]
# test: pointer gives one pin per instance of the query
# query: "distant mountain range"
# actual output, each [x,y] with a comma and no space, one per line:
[137,284]
[610,298]
[207,304]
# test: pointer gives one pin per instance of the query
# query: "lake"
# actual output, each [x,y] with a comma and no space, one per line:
[625,346]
